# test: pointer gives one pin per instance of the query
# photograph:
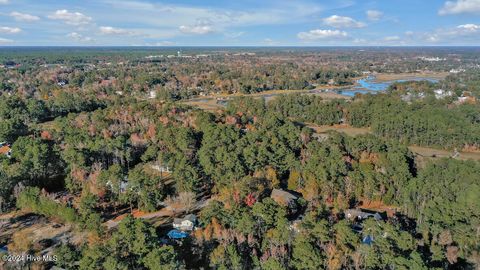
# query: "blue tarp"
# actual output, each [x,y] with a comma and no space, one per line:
[368,240]
[4,249]
[176,234]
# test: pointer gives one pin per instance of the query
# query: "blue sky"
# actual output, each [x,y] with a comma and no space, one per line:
[239,23]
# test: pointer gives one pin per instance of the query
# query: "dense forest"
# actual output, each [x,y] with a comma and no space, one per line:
[269,191]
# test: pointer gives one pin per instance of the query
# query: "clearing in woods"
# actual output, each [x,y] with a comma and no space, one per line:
[425,152]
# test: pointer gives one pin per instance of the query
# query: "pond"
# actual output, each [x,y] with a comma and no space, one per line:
[370,85]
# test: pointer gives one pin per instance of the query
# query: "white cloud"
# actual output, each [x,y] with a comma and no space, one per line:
[270,42]
[108,30]
[469,27]
[72,18]
[180,19]
[201,27]
[342,22]
[392,38]
[234,35]
[5,41]
[4,2]
[374,15]
[360,41]
[164,43]
[10,30]
[23,17]
[460,6]
[196,29]
[459,35]
[79,37]
[317,34]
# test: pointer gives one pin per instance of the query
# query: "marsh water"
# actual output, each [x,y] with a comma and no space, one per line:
[371,85]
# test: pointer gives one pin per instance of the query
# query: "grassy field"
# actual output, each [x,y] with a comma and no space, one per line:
[277,92]
[439,153]
[410,76]
[348,130]
[209,103]
[206,104]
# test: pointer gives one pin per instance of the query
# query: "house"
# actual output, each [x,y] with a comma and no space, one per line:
[176,234]
[186,223]
[285,198]
[362,214]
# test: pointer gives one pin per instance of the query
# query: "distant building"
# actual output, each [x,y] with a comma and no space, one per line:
[440,93]
[186,223]
[362,214]
[432,59]
[456,71]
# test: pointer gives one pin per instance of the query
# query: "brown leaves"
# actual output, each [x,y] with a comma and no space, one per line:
[452,254]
